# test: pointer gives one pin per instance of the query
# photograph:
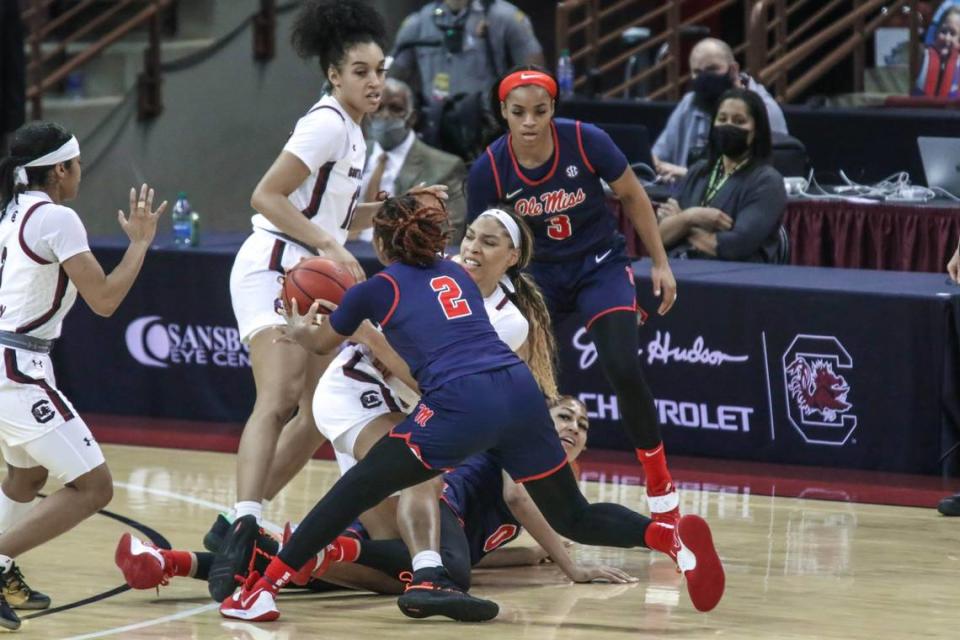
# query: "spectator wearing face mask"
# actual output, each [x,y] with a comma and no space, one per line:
[714,70]
[398,161]
[731,203]
[940,72]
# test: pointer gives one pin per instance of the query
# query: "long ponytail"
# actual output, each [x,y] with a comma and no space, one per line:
[541,345]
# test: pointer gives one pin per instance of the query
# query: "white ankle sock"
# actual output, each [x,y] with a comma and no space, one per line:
[11,511]
[5,563]
[426,559]
[248,508]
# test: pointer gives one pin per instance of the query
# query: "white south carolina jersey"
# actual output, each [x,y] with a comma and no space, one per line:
[352,392]
[331,145]
[36,236]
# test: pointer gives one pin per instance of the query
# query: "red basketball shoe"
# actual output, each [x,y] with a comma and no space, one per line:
[142,564]
[255,601]
[697,559]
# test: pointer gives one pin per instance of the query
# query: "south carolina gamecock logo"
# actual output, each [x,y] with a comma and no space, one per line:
[818,404]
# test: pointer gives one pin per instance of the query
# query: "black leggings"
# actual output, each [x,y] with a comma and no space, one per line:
[392,557]
[615,336]
[390,467]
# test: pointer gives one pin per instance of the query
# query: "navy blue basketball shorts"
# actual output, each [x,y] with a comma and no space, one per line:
[592,286]
[501,411]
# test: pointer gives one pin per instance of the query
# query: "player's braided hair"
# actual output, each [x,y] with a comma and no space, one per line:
[328,28]
[31,141]
[527,297]
[412,228]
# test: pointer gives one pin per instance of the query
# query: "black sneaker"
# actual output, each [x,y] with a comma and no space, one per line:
[18,593]
[950,506]
[213,539]
[433,593]
[233,559]
[8,617]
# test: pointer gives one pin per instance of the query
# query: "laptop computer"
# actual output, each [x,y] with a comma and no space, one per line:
[941,162]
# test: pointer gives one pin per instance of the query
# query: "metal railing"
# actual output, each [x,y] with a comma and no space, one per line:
[847,35]
[777,45]
[45,74]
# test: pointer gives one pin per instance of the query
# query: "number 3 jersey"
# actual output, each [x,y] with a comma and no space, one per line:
[433,317]
[562,200]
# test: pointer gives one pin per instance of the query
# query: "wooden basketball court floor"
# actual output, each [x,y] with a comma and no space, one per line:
[797,567]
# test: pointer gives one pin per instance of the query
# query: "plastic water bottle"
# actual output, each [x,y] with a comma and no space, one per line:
[183,223]
[565,74]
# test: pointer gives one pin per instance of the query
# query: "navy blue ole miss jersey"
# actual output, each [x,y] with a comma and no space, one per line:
[433,317]
[562,200]
[474,491]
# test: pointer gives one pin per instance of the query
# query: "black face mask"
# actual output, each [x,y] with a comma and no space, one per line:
[731,140]
[707,89]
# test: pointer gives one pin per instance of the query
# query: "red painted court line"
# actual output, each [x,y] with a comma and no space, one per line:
[734,476]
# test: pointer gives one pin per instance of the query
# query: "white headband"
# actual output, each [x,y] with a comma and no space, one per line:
[69,151]
[513,229]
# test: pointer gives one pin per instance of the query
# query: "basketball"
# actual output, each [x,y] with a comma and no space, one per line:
[312,279]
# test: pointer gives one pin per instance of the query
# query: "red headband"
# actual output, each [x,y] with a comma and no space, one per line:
[520,78]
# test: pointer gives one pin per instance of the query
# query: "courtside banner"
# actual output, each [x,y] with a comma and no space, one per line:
[813,368]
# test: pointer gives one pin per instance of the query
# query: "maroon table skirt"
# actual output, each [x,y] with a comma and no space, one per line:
[833,233]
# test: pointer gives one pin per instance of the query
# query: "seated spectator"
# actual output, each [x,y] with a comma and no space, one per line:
[940,71]
[731,203]
[714,70]
[398,161]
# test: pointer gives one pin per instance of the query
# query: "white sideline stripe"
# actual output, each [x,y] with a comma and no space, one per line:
[270,526]
[147,623]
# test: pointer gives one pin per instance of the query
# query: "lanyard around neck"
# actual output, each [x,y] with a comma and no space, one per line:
[718,178]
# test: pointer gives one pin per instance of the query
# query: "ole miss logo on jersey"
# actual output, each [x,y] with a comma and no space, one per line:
[550,203]
[424,413]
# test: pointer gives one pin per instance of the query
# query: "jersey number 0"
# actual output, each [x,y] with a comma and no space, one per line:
[450,297]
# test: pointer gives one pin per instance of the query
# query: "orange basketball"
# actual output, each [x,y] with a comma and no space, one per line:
[313,279]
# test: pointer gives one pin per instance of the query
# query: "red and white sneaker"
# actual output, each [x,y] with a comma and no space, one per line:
[142,563]
[665,507]
[254,601]
[697,559]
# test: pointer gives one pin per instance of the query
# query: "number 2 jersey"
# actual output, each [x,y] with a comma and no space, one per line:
[562,200]
[433,317]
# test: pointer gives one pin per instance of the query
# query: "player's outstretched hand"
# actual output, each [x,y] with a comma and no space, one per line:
[665,284]
[601,574]
[347,261]
[300,329]
[438,191]
[141,225]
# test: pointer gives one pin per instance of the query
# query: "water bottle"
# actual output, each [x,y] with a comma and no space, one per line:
[565,74]
[183,222]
